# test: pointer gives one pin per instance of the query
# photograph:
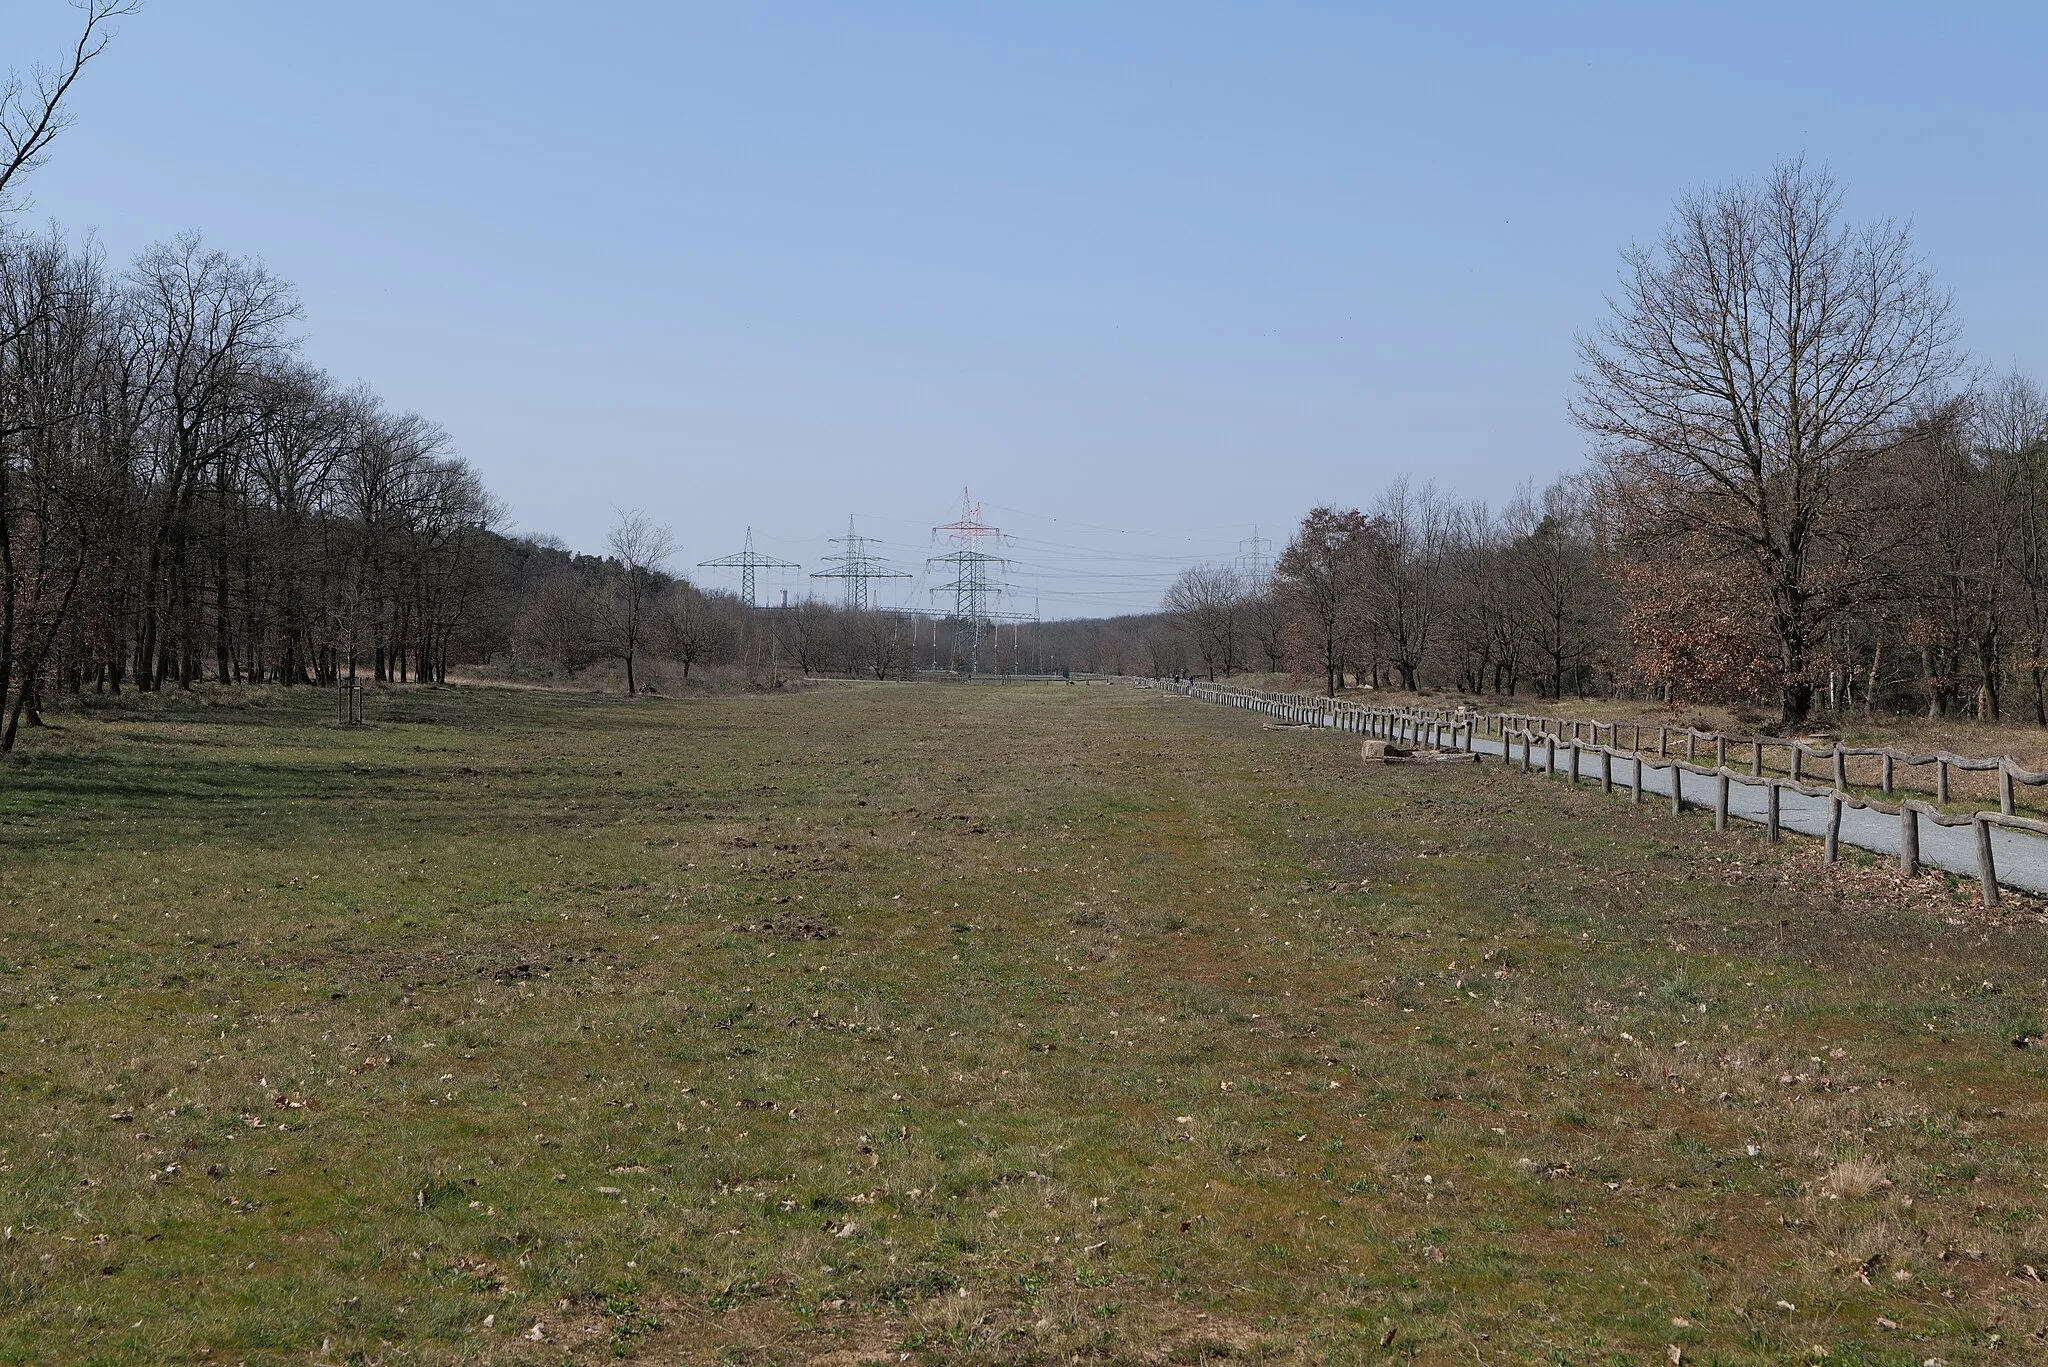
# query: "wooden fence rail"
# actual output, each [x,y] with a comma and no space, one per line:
[1796,752]
[1462,729]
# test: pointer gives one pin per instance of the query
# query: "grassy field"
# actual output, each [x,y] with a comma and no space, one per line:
[972,1024]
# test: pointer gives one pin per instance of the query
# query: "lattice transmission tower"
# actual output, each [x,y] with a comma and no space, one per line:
[1255,559]
[977,581]
[746,562]
[858,568]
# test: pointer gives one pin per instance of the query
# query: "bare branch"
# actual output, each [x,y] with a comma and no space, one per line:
[32,115]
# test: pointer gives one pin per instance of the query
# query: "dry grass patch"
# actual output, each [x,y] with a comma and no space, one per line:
[1146,1035]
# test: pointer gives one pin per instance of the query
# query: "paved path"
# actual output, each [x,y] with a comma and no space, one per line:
[2022,859]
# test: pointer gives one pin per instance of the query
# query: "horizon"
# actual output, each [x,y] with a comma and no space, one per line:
[1143,281]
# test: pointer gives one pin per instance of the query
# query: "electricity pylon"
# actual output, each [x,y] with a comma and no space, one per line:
[1254,554]
[975,585]
[746,562]
[857,569]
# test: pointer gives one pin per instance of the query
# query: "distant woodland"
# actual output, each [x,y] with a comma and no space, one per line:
[1801,499]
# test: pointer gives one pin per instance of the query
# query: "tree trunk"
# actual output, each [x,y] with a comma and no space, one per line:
[1987,661]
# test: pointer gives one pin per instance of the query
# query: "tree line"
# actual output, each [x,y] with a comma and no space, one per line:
[181,494]
[558,616]
[1802,499]
[184,498]
[1419,590]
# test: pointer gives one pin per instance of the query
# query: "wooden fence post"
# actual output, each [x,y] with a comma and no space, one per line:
[1677,790]
[1663,741]
[1550,756]
[1635,789]
[1909,839]
[1692,745]
[1575,764]
[1941,781]
[1884,773]
[1833,847]
[1607,770]
[2005,802]
[1756,758]
[1721,799]
[1987,870]
[1720,752]
[1798,753]
[1772,792]
[1841,769]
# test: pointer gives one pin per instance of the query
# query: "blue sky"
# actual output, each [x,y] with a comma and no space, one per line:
[1144,276]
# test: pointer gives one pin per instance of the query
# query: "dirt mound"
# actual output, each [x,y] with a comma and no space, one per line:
[791,926]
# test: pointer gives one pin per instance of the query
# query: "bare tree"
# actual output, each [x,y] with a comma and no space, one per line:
[201,324]
[1409,538]
[808,631]
[54,320]
[1265,625]
[1760,361]
[877,640]
[554,623]
[301,429]
[1559,592]
[1321,575]
[639,548]
[2012,430]
[1480,634]
[691,626]
[1207,603]
[1165,651]
[32,109]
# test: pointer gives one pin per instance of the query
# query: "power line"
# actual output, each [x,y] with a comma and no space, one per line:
[975,586]
[857,568]
[1255,555]
[746,562]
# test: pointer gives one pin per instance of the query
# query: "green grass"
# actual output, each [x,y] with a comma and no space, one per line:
[1140,1032]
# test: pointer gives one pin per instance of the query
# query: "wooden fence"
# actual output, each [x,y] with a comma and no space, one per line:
[1503,732]
[1840,761]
